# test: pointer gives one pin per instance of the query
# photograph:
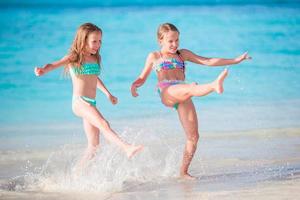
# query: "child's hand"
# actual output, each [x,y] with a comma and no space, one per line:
[39,71]
[242,57]
[133,90]
[113,99]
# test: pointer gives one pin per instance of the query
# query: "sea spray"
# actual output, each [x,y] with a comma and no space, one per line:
[110,170]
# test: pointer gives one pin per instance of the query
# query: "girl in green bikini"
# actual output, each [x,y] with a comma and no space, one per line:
[83,64]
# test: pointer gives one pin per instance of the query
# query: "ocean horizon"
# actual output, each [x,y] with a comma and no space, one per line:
[152,3]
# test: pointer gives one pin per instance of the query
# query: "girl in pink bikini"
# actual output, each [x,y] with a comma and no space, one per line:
[169,65]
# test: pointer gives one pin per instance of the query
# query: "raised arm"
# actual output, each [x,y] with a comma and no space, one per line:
[101,86]
[144,75]
[39,71]
[190,56]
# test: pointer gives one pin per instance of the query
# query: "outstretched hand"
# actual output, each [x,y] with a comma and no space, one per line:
[244,56]
[134,90]
[39,71]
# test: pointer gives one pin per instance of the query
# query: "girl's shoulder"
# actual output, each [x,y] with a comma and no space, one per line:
[154,56]
[184,53]
[68,59]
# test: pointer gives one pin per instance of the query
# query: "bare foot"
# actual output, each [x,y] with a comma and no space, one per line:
[187,176]
[132,150]
[218,83]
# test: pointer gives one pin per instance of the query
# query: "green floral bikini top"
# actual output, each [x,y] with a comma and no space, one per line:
[86,69]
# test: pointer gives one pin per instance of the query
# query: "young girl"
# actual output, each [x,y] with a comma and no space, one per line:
[169,64]
[83,64]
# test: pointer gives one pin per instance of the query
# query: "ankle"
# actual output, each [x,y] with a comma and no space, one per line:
[183,172]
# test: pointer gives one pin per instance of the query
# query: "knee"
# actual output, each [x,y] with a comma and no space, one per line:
[104,125]
[194,84]
[194,138]
[192,88]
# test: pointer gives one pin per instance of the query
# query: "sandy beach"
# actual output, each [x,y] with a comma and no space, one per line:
[257,164]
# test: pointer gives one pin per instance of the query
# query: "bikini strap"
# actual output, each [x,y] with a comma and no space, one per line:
[178,53]
[161,56]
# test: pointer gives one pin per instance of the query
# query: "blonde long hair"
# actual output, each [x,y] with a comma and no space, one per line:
[165,28]
[76,54]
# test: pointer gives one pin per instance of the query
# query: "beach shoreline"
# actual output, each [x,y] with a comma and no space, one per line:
[271,172]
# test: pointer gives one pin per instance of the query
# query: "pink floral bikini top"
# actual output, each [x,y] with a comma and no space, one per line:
[171,63]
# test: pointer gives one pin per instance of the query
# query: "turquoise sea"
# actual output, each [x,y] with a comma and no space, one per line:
[250,133]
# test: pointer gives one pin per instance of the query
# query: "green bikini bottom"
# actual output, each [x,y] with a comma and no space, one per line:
[88,100]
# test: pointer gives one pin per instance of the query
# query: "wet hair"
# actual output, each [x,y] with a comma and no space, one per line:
[165,28]
[79,44]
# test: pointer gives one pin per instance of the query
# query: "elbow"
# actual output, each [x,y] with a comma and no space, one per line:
[209,63]
[140,81]
[215,62]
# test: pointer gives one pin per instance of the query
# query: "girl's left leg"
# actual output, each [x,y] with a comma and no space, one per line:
[95,118]
[188,118]
[181,92]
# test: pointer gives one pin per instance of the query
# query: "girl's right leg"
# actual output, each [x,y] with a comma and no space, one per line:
[94,117]
[182,92]
[92,135]
[188,118]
